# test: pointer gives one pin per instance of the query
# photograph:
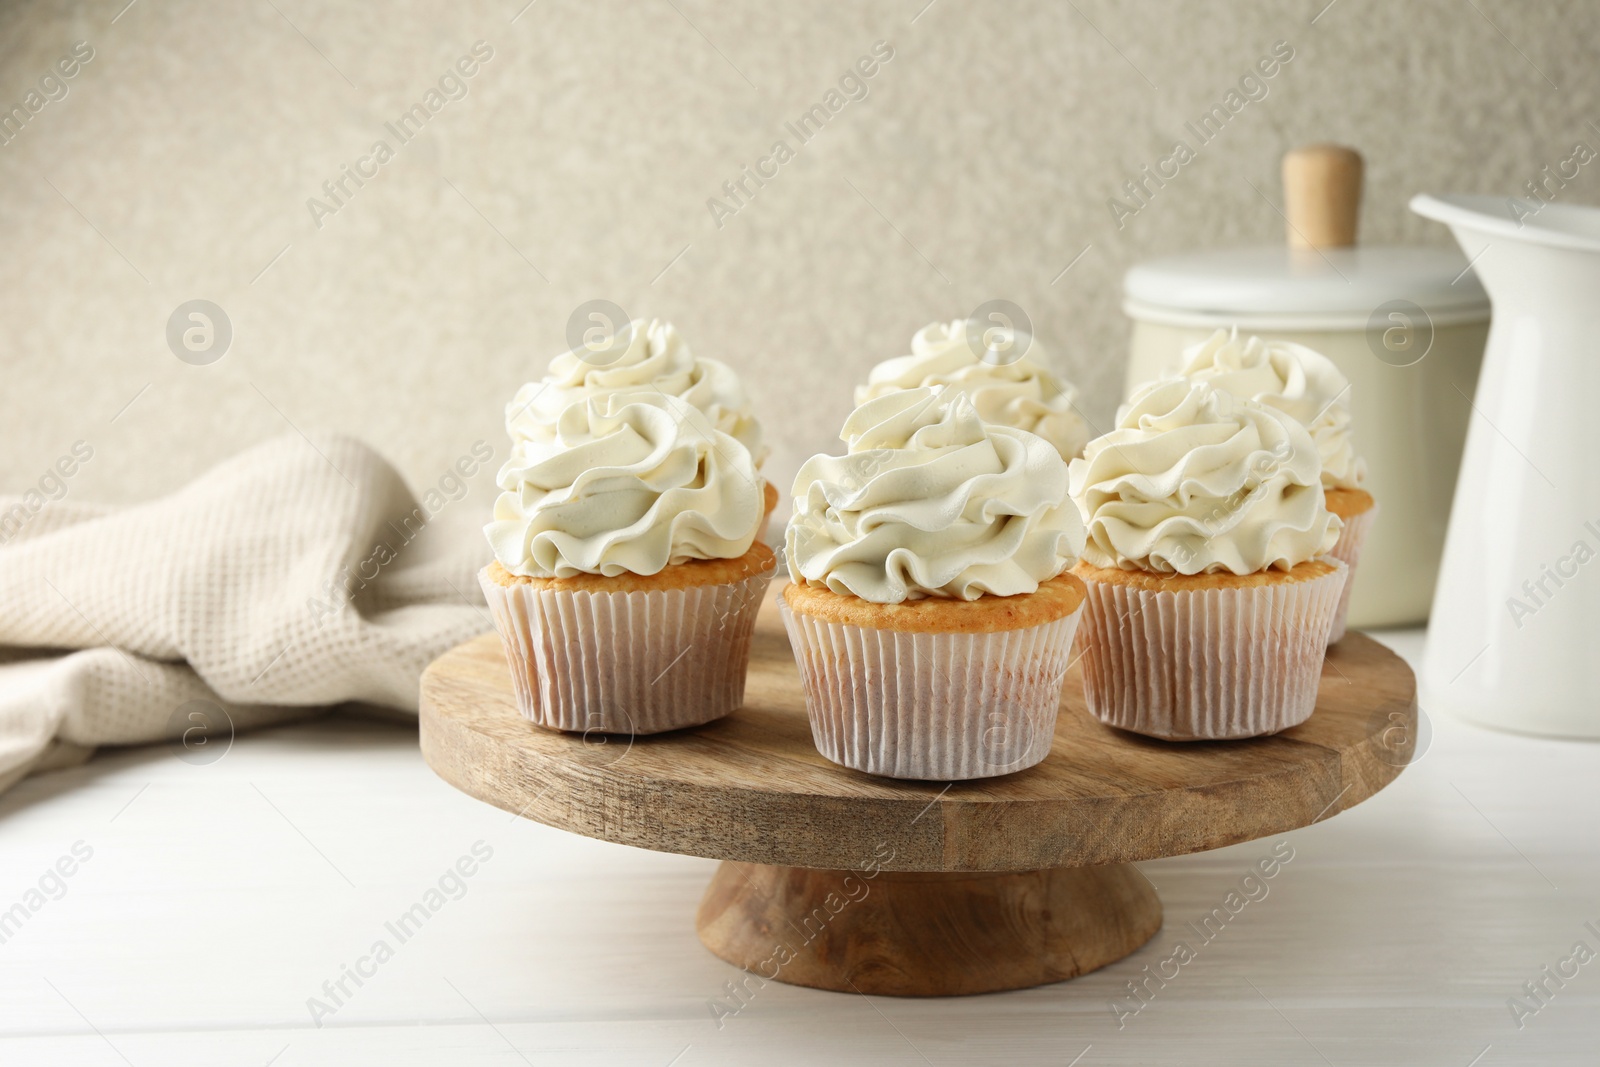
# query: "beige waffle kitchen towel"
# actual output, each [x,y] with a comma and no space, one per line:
[289,578]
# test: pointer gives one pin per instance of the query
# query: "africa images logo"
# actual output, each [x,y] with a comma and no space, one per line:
[853,87]
[452,85]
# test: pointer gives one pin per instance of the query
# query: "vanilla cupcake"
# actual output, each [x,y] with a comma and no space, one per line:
[1304,383]
[646,354]
[999,372]
[627,573]
[1211,591]
[929,607]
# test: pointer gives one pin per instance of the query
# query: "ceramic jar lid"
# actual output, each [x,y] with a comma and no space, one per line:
[1274,287]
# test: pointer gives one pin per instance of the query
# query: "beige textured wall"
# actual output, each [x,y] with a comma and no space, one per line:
[578,166]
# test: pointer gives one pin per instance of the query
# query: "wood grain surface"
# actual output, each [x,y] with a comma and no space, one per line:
[924,935]
[753,788]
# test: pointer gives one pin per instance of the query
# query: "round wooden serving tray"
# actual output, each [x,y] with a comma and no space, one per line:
[842,880]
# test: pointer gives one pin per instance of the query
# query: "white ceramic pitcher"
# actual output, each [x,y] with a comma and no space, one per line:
[1514,637]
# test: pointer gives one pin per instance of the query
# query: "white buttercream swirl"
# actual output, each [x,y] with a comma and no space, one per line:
[630,482]
[1195,480]
[930,501]
[655,356]
[1007,392]
[1292,378]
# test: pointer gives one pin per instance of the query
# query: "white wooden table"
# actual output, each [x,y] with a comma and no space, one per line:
[220,898]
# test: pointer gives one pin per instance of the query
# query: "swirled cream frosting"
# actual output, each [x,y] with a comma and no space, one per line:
[931,501]
[629,482]
[1292,378]
[651,355]
[1196,480]
[1007,389]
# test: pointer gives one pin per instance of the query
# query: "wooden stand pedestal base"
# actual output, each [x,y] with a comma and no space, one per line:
[925,935]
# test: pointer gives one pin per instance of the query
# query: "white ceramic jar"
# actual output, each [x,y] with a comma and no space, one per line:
[1406,325]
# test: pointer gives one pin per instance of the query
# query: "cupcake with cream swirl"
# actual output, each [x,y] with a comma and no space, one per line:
[1006,387]
[627,572]
[1210,585]
[647,354]
[930,605]
[1301,382]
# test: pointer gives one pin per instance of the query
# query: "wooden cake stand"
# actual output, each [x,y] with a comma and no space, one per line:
[840,880]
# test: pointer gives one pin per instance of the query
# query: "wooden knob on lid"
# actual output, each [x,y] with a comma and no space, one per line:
[1322,195]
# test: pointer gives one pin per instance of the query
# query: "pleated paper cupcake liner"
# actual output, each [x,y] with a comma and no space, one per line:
[626,662]
[1348,549]
[931,706]
[1207,664]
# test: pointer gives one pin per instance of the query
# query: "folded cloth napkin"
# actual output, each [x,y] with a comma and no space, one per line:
[288,578]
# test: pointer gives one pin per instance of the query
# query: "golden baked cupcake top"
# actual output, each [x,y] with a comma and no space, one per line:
[1348,503]
[1310,570]
[1055,598]
[759,559]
